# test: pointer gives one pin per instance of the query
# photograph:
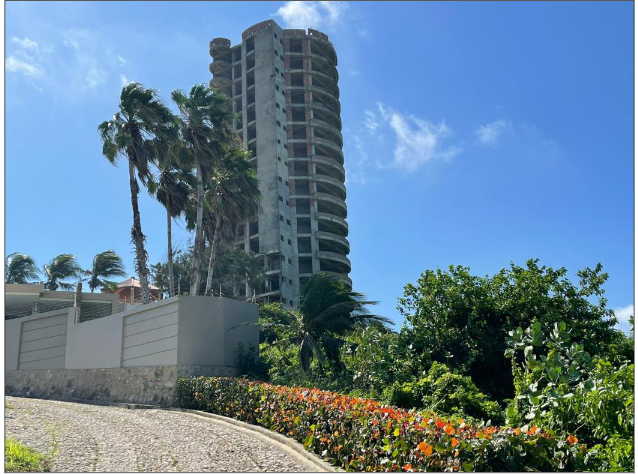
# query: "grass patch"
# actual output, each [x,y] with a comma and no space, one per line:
[19,458]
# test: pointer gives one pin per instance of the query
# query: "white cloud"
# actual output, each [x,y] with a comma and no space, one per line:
[371,121]
[121,60]
[417,141]
[310,14]
[25,43]
[124,80]
[22,66]
[489,134]
[358,162]
[623,314]
[95,77]
[87,71]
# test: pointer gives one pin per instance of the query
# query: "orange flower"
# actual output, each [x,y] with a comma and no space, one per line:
[375,422]
[425,448]
[439,423]
[455,442]
[517,431]
[532,431]
[407,467]
[572,439]
[456,453]
[449,430]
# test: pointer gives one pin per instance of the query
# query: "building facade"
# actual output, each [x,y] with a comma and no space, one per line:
[283,86]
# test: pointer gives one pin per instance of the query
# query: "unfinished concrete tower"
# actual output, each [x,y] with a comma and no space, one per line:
[283,85]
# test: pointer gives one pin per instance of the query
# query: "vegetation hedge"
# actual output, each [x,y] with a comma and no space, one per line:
[364,435]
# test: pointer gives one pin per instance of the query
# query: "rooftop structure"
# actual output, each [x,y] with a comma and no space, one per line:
[283,86]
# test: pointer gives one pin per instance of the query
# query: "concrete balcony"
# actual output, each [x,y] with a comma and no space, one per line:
[333,117]
[330,144]
[220,68]
[332,181]
[331,162]
[333,221]
[332,205]
[334,238]
[336,275]
[219,47]
[328,126]
[336,262]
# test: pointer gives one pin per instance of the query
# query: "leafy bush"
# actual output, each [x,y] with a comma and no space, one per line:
[19,458]
[445,392]
[364,435]
[567,390]
[462,320]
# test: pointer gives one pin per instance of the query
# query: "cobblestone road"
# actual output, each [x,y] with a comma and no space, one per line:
[88,438]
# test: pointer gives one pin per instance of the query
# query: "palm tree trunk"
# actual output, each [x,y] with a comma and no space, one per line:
[138,238]
[199,234]
[171,284]
[213,254]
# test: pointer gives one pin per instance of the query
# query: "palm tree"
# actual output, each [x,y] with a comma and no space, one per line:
[60,268]
[233,197]
[141,118]
[205,131]
[19,268]
[172,190]
[327,310]
[105,264]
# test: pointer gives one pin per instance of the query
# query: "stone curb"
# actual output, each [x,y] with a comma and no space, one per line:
[317,464]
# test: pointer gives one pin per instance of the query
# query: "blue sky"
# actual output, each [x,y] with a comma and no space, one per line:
[475,133]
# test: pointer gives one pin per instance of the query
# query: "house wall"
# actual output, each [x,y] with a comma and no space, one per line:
[37,341]
[178,331]
[133,356]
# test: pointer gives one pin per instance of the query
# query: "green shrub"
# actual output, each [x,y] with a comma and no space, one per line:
[19,458]
[364,435]
[445,392]
[566,390]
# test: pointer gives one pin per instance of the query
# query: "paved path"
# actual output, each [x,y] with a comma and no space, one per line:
[87,438]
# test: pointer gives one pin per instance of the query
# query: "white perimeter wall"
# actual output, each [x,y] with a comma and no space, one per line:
[181,330]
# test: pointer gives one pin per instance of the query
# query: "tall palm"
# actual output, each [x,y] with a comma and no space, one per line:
[206,133]
[141,118]
[233,198]
[19,268]
[105,264]
[60,268]
[172,190]
[328,309]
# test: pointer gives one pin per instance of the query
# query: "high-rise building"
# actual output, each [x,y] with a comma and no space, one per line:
[283,88]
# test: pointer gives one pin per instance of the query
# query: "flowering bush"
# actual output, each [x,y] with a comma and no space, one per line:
[364,435]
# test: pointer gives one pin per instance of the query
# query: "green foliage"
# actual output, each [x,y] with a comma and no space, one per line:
[105,264]
[19,458]
[561,387]
[235,268]
[249,363]
[445,392]
[328,311]
[462,320]
[372,356]
[363,435]
[19,269]
[60,268]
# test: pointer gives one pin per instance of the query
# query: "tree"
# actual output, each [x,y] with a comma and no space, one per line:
[105,264]
[19,268]
[328,310]
[206,134]
[141,118]
[462,320]
[172,190]
[233,197]
[60,268]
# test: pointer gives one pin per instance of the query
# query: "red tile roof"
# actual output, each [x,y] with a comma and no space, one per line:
[133,282]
